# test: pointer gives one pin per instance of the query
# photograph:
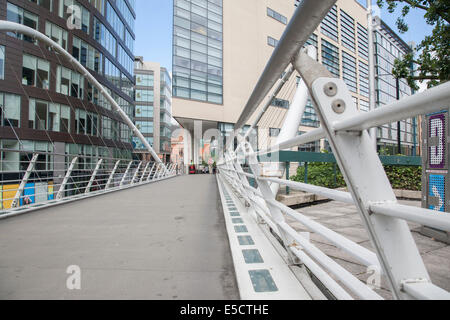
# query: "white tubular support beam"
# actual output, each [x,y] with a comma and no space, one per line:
[349,280]
[126,173]
[424,217]
[144,172]
[136,173]
[304,22]
[156,174]
[336,195]
[432,100]
[94,174]
[16,201]
[19,28]
[424,290]
[62,188]
[363,255]
[111,176]
[311,136]
[150,172]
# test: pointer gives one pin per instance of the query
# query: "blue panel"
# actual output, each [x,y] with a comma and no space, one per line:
[246,241]
[240,229]
[252,256]
[29,192]
[262,281]
[437,189]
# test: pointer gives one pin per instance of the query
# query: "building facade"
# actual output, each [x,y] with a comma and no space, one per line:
[45,104]
[388,47]
[153,111]
[220,49]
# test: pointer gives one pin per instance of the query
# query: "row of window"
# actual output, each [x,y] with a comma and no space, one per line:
[277,16]
[49,116]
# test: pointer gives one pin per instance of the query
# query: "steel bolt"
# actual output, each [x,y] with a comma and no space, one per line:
[330,89]
[339,106]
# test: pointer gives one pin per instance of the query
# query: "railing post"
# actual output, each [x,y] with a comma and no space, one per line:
[111,176]
[287,176]
[136,173]
[143,173]
[126,173]
[156,175]
[62,188]
[306,172]
[150,172]
[16,201]
[94,174]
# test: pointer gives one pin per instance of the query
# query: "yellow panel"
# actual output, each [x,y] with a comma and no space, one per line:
[1,197]
[9,192]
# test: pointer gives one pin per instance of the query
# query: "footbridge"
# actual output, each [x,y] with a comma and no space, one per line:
[92,222]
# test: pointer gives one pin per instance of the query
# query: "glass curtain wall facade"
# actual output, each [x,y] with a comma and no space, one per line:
[198,50]
[388,47]
[153,112]
[52,103]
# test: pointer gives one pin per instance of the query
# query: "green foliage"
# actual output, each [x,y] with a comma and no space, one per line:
[433,61]
[322,174]
[405,177]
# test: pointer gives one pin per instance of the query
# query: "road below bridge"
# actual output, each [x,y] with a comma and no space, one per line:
[165,240]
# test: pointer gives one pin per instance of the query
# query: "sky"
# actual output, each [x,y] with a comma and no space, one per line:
[154,29]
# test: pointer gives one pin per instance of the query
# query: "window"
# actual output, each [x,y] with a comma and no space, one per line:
[272,42]
[274,132]
[329,25]
[35,72]
[47,4]
[87,55]
[144,111]
[277,16]
[86,122]
[2,62]
[69,82]
[56,33]
[9,110]
[347,31]
[330,57]
[144,95]
[146,127]
[82,21]
[21,16]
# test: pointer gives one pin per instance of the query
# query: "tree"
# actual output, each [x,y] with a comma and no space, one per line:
[431,59]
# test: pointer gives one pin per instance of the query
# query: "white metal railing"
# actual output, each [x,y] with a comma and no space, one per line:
[42,179]
[396,254]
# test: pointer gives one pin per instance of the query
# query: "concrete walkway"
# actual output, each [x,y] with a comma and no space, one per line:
[161,241]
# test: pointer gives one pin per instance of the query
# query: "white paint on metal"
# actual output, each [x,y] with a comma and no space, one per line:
[16,201]
[94,174]
[62,188]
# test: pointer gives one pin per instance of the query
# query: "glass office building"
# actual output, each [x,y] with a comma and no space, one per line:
[388,47]
[153,111]
[49,106]
[198,50]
